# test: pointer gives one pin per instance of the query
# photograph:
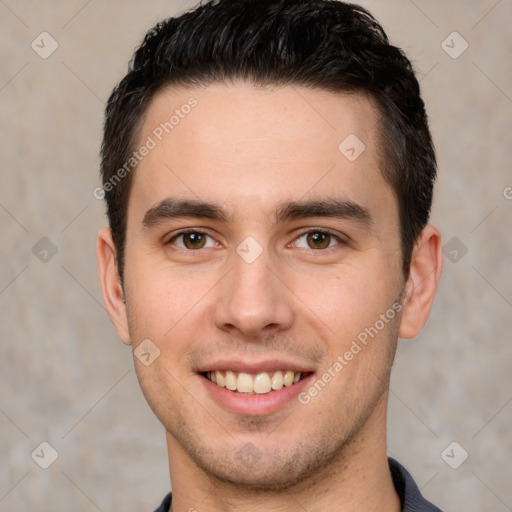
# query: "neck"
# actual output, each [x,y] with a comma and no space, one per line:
[357,478]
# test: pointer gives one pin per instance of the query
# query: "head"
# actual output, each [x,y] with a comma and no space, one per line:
[290,139]
[323,45]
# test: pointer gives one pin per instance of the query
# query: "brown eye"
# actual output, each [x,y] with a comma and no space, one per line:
[318,240]
[192,240]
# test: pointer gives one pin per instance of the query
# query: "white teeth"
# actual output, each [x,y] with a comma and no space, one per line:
[219,378]
[277,380]
[260,383]
[230,381]
[244,383]
[288,378]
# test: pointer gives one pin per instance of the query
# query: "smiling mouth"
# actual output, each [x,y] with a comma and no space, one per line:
[254,384]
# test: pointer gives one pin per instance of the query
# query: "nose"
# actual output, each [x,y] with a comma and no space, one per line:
[253,301]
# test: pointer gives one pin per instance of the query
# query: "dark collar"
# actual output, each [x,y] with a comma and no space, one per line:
[406,488]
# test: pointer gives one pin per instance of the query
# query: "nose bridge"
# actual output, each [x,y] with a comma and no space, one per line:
[252,299]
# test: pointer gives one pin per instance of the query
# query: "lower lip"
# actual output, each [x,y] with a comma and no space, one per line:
[254,405]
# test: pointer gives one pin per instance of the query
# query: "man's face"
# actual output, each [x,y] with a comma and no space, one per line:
[266,281]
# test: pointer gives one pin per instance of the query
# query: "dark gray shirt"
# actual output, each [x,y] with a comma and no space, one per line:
[406,488]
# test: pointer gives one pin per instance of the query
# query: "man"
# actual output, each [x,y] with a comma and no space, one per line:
[268,171]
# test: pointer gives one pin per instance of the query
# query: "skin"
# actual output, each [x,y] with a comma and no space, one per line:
[249,149]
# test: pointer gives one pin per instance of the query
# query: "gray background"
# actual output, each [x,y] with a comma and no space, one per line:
[66,379]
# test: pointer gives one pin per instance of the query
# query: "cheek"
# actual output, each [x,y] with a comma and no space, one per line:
[347,301]
[162,390]
[160,298]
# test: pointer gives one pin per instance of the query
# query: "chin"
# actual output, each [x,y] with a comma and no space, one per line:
[270,468]
[262,476]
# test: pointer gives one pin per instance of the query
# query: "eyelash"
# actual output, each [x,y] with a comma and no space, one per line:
[338,239]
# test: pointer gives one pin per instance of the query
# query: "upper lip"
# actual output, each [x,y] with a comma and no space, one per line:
[268,365]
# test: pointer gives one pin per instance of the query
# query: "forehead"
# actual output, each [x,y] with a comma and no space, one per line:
[278,117]
[244,145]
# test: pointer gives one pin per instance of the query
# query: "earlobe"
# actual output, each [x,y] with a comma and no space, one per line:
[110,282]
[421,285]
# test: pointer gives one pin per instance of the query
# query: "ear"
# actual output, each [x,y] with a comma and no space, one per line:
[421,285]
[111,287]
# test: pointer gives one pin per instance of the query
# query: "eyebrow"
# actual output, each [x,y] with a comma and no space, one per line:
[176,208]
[344,209]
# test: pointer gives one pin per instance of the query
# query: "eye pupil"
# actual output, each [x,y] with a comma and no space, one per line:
[193,240]
[318,240]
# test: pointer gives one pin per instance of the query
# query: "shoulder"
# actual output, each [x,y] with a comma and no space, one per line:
[165,505]
[410,495]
